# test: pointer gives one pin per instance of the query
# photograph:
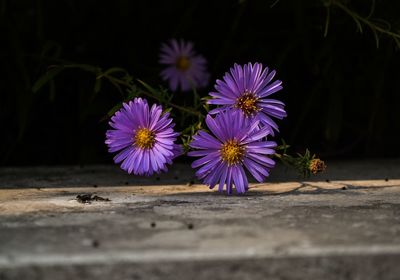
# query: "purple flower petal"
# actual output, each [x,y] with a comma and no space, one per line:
[245,89]
[185,69]
[222,161]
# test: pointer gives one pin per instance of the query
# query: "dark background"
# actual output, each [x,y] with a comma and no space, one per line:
[342,92]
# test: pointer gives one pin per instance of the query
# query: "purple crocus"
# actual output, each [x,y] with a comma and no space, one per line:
[185,68]
[246,89]
[237,142]
[144,138]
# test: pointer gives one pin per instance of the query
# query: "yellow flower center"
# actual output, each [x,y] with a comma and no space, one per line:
[144,138]
[247,102]
[182,63]
[232,152]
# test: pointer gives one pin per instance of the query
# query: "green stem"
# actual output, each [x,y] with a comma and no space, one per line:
[188,110]
[364,20]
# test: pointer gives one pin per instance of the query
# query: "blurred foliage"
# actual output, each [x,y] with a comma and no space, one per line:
[341,82]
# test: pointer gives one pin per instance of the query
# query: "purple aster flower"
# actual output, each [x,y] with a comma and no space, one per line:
[245,89]
[237,142]
[185,68]
[144,138]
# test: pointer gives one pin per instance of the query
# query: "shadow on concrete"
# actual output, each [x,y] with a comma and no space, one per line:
[181,174]
[95,176]
[304,189]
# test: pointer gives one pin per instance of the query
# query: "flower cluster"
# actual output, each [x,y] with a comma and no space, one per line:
[239,127]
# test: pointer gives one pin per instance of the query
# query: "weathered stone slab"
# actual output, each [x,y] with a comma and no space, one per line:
[171,227]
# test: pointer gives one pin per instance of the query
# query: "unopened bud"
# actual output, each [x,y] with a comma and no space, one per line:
[316,166]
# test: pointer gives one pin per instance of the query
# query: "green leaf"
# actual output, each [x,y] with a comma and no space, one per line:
[46,78]
[359,26]
[110,71]
[149,88]
[397,42]
[115,69]
[86,67]
[112,111]
[328,17]
[97,86]
[372,9]
[167,110]
[273,4]
[152,90]
[132,94]
[376,38]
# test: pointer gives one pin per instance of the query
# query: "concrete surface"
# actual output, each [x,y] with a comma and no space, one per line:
[343,224]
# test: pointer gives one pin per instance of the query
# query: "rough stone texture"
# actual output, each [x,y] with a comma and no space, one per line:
[171,227]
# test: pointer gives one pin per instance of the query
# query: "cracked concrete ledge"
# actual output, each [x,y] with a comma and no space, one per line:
[343,224]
